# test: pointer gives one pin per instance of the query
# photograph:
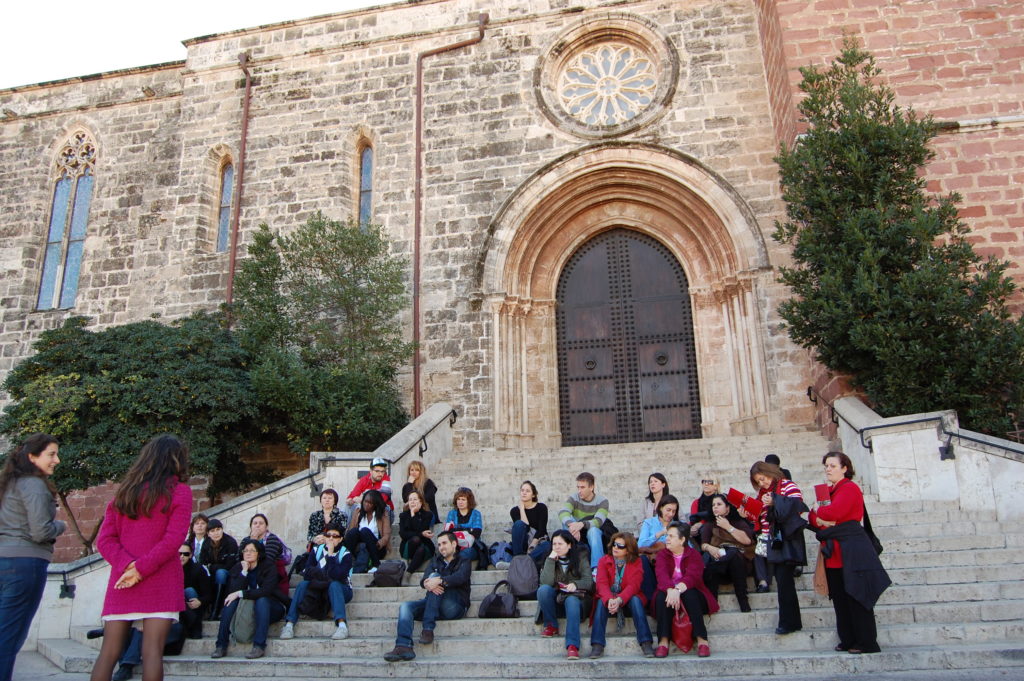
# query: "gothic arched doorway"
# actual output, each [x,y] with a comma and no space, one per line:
[627,366]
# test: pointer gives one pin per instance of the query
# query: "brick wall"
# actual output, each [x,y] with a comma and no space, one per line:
[957,60]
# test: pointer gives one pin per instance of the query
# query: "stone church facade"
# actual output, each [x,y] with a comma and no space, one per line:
[590,242]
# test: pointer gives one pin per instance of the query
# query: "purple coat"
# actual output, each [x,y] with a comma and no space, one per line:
[152,542]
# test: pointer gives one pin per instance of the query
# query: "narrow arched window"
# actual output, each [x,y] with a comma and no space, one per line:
[69,215]
[365,184]
[227,187]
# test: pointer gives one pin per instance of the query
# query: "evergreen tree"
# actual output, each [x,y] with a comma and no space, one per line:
[887,287]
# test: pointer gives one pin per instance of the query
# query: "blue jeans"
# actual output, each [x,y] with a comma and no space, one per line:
[429,610]
[520,532]
[267,609]
[338,593]
[220,576]
[133,651]
[22,581]
[546,597]
[634,607]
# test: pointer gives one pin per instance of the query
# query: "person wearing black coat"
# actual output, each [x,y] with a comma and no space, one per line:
[415,527]
[218,555]
[325,582]
[254,578]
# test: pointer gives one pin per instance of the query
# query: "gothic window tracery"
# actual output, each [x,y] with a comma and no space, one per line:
[608,84]
[227,187]
[365,184]
[69,216]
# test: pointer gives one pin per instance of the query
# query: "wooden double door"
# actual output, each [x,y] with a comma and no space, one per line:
[626,357]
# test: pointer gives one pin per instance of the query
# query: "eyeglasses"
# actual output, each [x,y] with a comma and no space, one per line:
[333,535]
[619,545]
[707,482]
[185,553]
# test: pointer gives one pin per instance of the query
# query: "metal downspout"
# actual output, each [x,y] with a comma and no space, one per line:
[418,207]
[243,62]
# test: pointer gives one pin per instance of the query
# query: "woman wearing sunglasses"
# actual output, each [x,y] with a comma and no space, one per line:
[325,577]
[619,577]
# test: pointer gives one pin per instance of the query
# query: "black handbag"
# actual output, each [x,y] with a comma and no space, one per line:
[871,533]
[497,604]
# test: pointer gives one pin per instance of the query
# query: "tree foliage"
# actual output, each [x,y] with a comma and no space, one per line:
[887,287]
[105,393]
[318,310]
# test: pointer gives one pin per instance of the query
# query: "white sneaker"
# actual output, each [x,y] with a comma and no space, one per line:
[341,632]
[501,565]
[371,571]
[288,631]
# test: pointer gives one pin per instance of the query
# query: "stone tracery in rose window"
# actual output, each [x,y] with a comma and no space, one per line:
[608,84]
[77,157]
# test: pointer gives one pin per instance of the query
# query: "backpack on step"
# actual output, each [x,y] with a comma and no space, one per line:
[389,573]
[497,604]
[523,579]
[500,552]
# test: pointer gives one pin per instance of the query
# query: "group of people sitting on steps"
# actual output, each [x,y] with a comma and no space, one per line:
[587,568]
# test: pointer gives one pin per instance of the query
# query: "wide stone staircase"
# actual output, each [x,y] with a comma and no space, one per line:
[957,600]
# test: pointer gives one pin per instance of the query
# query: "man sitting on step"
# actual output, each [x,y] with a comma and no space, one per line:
[447,583]
[376,479]
[583,515]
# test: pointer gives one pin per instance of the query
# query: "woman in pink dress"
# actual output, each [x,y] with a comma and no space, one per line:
[142,530]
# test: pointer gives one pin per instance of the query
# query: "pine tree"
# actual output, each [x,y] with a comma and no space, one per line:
[887,287]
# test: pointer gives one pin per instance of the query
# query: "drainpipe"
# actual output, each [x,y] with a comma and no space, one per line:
[243,62]
[418,207]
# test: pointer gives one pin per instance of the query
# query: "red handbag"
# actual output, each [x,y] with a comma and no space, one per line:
[682,631]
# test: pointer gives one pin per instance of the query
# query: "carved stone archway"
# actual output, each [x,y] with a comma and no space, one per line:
[663,194]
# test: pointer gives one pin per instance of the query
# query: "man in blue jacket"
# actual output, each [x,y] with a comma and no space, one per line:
[446,581]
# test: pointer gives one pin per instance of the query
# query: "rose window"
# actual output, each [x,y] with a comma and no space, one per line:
[609,84]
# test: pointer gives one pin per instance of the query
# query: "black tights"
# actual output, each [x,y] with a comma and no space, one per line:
[115,637]
[417,550]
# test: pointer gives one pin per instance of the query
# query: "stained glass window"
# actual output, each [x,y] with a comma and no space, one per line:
[365,184]
[608,84]
[69,217]
[227,185]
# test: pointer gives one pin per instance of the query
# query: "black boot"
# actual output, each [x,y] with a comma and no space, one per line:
[123,673]
[218,603]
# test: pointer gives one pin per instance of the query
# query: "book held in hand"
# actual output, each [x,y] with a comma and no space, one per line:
[750,505]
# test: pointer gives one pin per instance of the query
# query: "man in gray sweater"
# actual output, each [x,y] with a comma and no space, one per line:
[583,514]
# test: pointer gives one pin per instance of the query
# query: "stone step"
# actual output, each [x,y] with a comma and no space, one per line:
[72,656]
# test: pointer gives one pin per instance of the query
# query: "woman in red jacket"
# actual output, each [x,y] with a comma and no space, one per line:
[141,533]
[680,572]
[855,623]
[619,576]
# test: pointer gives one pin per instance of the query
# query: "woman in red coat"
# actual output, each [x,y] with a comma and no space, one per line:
[680,572]
[855,623]
[619,576]
[142,530]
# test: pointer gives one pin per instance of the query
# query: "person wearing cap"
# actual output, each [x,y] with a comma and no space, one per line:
[376,479]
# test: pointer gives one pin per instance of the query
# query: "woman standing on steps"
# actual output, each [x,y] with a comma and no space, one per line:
[28,529]
[780,529]
[140,537]
[855,576]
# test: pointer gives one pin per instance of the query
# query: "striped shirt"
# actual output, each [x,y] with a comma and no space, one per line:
[575,509]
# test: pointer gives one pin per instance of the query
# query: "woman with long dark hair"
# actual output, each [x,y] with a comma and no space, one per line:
[140,536]
[728,546]
[657,489]
[565,585]
[28,529]
[530,524]
[197,530]
[369,529]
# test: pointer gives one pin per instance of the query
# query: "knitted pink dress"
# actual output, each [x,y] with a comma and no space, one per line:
[152,542]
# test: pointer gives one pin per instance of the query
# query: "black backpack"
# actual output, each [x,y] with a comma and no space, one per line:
[495,604]
[523,580]
[389,573]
